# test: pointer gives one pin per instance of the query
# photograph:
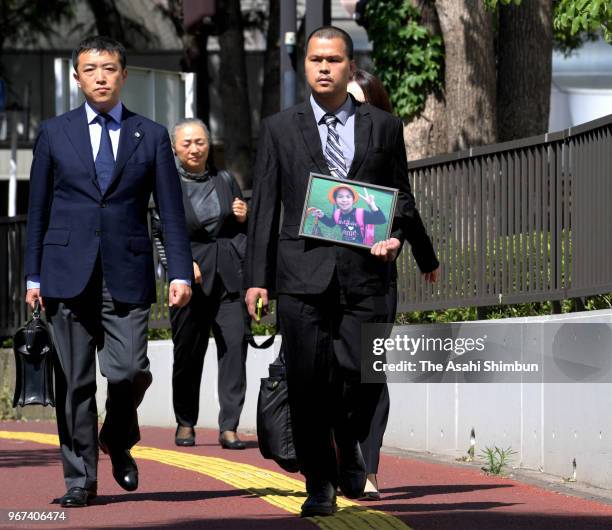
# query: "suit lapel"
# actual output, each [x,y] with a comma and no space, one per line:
[77,130]
[310,135]
[363,130]
[130,137]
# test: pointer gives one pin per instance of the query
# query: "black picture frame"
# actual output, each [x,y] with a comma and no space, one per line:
[322,195]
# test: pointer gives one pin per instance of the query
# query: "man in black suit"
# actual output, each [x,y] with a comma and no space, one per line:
[89,260]
[326,291]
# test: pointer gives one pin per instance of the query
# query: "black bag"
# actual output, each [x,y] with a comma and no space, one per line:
[274,433]
[34,354]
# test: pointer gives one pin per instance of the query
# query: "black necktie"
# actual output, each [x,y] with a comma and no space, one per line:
[333,149]
[105,161]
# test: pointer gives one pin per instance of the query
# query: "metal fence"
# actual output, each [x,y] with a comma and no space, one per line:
[522,221]
[13,311]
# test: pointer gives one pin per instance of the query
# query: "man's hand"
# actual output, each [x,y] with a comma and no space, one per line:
[252,295]
[386,250]
[179,294]
[240,210]
[197,273]
[32,296]
[432,277]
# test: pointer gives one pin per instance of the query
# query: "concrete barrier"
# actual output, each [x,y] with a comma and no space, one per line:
[548,425]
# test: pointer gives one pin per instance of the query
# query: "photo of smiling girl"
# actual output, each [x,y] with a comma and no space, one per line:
[356,224]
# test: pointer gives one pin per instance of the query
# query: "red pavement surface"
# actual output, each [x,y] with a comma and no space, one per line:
[424,495]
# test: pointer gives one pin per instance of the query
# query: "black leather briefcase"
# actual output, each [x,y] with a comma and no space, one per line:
[34,355]
[274,433]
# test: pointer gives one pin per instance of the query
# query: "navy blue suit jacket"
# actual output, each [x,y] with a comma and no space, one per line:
[70,221]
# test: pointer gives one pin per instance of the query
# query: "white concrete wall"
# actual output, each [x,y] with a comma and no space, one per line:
[156,408]
[547,424]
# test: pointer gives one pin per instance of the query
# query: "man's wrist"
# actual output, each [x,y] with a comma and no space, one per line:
[179,280]
[33,281]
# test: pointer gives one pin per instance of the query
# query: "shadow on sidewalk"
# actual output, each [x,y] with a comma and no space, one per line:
[506,520]
[414,492]
[264,492]
[250,444]
[30,458]
[474,506]
[281,522]
[163,496]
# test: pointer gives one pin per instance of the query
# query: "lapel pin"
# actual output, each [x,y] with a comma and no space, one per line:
[137,134]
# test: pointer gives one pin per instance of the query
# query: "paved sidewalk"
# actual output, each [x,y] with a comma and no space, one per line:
[211,488]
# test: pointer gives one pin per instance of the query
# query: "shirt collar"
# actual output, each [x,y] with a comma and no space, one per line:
[114,113]
[346,110]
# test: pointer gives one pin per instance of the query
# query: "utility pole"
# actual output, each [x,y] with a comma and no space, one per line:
[288,35]
[318,13]
[13,126]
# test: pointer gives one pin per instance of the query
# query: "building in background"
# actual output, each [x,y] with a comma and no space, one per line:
[581,87]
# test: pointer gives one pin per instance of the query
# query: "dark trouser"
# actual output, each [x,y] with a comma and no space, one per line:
[119,332]
[370,447]
[322,336]
[191,325]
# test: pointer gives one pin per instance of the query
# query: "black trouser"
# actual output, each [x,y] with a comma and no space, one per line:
[191,325]
[370,447]
[119,332]
[322,336]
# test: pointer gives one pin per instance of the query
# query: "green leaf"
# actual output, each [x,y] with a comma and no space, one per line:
[407,58]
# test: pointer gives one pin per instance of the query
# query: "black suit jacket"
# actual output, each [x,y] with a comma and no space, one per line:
[289,149]
[220,252]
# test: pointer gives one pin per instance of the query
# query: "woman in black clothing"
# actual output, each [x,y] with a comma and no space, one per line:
[366,87]
[216,222]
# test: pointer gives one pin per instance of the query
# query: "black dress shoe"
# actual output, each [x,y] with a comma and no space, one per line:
[77,497]
[125,470]
[233,444]
[184,436]
[351,469]
[321,500]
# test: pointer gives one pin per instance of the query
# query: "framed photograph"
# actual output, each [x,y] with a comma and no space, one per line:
[347,212]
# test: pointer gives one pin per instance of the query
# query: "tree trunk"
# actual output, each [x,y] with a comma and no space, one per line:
[467,29]
[195,59]
[270,97]
[524,69]
[234,93]
[108,19]
[425,135]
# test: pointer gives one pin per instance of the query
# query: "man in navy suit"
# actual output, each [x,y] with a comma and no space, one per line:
[89,260]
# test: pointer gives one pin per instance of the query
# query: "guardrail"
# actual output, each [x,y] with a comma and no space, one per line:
[520,221]
[13,311]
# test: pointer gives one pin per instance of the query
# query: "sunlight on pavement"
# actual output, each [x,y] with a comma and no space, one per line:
[275,488]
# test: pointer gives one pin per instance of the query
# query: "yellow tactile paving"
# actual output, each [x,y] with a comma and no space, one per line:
[275,488]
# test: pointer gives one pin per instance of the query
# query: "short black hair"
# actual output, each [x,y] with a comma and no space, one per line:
[99,44]
[332,32]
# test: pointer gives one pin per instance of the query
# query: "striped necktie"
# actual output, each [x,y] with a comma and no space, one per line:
[333,150]
[105,160]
